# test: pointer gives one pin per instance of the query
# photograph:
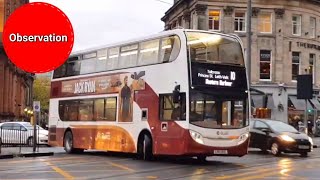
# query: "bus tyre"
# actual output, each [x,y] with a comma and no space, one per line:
[68,144]
[145,148]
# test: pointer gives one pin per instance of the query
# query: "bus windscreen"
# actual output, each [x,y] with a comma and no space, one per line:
[214,48]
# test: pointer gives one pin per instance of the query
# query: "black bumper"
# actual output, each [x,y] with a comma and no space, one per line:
[296,147]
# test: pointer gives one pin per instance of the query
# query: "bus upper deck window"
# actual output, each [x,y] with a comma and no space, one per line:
[148,52]
[170,48]
[101,64]
[73,68]
[60,72]
[113,57]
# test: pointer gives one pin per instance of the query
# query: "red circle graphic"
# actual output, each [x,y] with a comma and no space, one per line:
[38,37]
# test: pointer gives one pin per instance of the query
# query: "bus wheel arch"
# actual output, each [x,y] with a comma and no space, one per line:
[68,141]
[145,145]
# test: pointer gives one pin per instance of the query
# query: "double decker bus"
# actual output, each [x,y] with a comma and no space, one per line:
[179,92]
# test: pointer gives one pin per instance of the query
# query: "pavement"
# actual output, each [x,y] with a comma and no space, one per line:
[11,152]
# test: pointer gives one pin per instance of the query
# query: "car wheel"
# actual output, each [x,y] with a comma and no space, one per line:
[275,150]
[30,141]
[304,154]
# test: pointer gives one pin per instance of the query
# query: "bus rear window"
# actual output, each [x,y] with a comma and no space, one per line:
[213,48]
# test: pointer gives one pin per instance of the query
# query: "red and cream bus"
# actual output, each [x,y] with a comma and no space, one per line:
[179,92]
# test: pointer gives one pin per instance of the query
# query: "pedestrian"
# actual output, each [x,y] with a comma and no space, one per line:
[310,126]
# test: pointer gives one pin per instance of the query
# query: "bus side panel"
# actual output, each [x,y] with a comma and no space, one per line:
[169,141]
[103,137]
[56,136]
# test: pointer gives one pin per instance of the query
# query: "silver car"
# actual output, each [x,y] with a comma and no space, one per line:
[21,133]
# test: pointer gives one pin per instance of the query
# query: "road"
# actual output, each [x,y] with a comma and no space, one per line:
[99,165]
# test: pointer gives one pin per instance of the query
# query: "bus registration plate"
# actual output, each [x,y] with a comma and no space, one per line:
[220,151]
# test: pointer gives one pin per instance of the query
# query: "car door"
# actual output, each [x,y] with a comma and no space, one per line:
[260,136]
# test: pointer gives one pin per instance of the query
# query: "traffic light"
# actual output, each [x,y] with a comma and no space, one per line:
[310,110]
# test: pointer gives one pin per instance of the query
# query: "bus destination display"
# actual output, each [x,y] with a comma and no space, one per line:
[217,76]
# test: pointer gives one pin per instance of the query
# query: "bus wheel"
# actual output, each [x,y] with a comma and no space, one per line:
[68,143]
[145,147]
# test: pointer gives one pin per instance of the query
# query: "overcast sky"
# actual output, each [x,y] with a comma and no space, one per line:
[99,22]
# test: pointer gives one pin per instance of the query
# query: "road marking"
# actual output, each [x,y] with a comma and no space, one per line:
[262,175]
[22,160]
[121,166]
[152,177]
[242,174]
[60,171]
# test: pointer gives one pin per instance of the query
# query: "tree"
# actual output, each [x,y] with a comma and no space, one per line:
[41,90]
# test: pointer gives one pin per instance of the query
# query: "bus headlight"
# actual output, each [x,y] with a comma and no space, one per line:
[196,136]
[243,138]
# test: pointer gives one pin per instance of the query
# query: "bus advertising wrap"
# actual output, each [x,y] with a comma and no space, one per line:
[219,76]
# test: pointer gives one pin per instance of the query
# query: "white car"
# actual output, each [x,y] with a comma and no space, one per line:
[21,133]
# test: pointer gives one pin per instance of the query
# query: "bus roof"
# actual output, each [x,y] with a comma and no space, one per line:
[160,34]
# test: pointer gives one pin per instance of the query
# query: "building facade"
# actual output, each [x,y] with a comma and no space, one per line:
[15,84]
[285,43]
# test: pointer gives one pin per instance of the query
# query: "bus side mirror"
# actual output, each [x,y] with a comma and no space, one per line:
[176,94]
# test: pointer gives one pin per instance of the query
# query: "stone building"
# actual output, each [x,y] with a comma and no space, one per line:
[285,43]
[15,84]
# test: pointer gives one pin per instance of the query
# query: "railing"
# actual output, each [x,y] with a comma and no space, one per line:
[18,137]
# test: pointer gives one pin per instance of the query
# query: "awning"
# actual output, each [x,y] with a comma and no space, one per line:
[258,101]
[316,103]
[300,104]
[270,104]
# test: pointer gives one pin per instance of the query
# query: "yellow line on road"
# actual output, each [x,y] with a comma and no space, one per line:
[60,171]
[121,166]
[243,174]
[35,159]
[262,175]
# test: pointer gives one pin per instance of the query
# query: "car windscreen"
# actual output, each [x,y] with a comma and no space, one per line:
[281,127]
[27,125]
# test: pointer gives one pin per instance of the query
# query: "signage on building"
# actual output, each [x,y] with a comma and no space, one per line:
[308,45]
[217,76]
[265,55]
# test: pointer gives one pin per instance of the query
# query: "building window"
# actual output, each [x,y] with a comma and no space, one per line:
[312,60]
[295,65]
[296,25]
[265,23]
[240,21]
[214,20]
[265,65]
[312,27]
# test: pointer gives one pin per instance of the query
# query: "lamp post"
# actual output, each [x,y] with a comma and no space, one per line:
[248,51]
